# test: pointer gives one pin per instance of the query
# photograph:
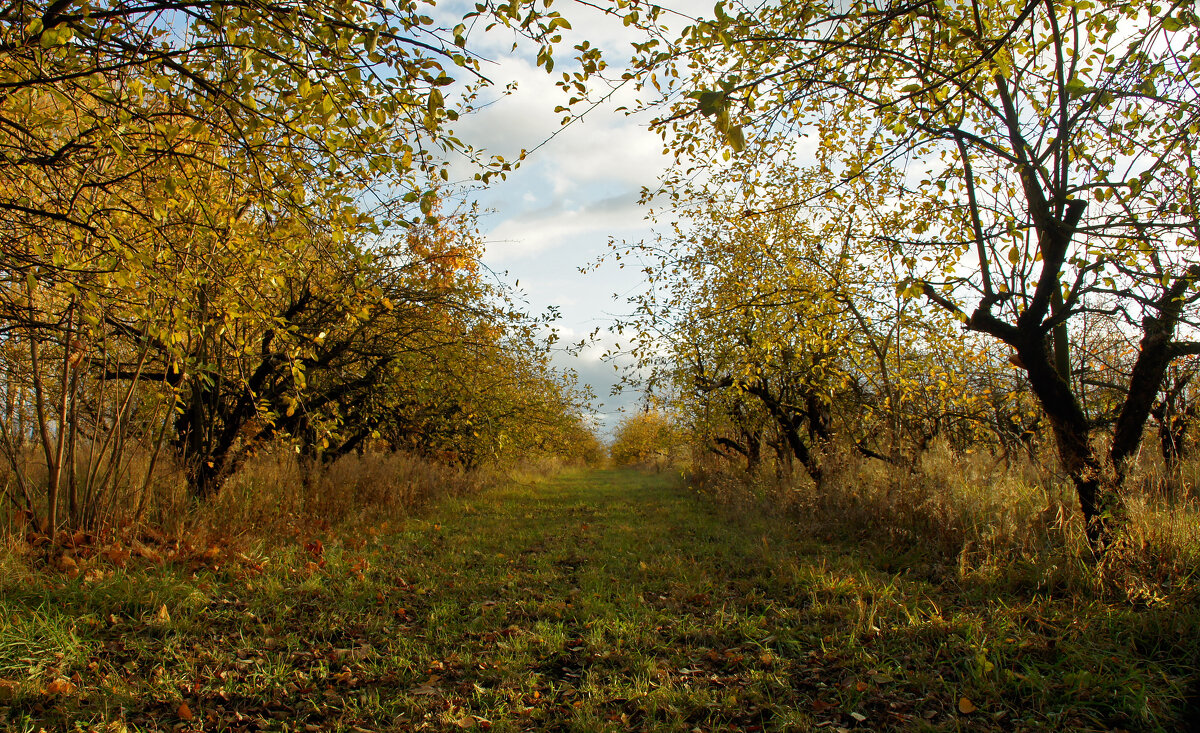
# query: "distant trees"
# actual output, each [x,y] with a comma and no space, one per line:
[777,341]
[647,437]
[1023,167]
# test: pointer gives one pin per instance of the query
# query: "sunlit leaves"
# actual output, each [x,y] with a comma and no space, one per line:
[216,187]
[1044,153]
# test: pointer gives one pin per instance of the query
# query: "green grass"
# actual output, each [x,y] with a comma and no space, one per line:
[593,601]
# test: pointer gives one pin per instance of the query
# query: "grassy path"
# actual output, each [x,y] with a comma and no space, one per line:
[594,601]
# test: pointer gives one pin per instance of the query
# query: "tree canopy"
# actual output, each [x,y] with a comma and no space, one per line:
[220,226]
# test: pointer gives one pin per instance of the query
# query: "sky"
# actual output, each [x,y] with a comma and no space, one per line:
[558,212]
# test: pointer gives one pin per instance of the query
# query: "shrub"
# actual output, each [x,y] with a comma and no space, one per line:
[648,438]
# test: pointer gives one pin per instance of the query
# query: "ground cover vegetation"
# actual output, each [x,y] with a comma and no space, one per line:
[607,600]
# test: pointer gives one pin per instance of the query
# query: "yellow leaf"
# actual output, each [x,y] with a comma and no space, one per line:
[965,706]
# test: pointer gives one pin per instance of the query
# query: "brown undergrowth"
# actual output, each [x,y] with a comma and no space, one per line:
[275,497]
[1009,522]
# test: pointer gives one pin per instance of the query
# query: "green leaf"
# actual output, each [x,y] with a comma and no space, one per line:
[711,103]
[735,137]
[434,102]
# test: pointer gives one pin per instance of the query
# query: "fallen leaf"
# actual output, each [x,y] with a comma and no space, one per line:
[163,616]
[60,686]
[858,716]
[185,713]
[117,556]
[67,564]
[8,690]
[965,706]
[427,687]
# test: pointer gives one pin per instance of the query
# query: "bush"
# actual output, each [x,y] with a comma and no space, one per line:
[648,439]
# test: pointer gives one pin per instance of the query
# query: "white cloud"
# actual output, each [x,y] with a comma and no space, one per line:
[528,236]
[557,212]
[603,146]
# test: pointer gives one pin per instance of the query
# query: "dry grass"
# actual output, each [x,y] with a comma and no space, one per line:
[974,516]
[545,467]
[139,487]
[276,490]
[275,494]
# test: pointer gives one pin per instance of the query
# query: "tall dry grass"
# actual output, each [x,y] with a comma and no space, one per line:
[272,493]
[135,485]
[277,488]
[980,516]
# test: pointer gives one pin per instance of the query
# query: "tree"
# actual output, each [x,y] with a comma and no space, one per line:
[1045,151]
[773,330]
[646,437]
[195,205]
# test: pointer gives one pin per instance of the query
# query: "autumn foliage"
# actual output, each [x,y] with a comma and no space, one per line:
[222,233]
[645,438]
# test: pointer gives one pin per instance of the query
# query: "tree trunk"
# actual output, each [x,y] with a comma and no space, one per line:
[1099,497]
